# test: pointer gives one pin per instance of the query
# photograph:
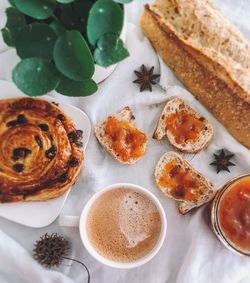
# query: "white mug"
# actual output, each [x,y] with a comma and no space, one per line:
[82,223]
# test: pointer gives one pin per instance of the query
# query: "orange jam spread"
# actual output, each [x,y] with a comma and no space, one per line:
[183,185]
[184,127]
[126,140]
[234,213]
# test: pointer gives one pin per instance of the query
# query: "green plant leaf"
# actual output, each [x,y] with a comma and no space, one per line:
[12,3]
[65,1]
[73,57]
[15,21]
[106,54]
[108,41]
[35,40]
[123,1]
[105,16]
[73,88]
[57,27]
[35,76]
[7,37]
[70,19]
[38,9]
[82,8]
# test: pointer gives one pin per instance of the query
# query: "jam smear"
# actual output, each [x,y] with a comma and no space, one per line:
[126,140]
[181,181]
[184,126]
[234,213]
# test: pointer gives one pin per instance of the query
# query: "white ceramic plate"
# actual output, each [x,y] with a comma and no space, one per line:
[41,213]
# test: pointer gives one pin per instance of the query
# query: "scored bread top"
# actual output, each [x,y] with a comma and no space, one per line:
[208,36]
[176,178]
[201,129]
[126,137]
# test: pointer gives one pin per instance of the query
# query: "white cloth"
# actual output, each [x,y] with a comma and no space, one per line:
[191,253]
[18,266]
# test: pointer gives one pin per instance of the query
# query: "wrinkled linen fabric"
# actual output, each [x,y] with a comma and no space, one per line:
[191,253]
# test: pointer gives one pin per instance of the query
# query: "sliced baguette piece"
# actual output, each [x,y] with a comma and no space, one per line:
[125,115]
[178,180]
[176,105]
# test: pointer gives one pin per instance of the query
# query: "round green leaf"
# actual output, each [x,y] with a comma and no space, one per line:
[107,41]
[7,37]
[35,76]
[15,21]
[105,16]
[82,8]
[12,3]
[57,27]
[65,1]
[38,9]
[70,18]
[35,40]
[110,56]
[123,1]
[73,88]
[73,57]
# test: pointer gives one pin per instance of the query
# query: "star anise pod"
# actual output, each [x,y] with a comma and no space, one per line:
[222,161]
[146,78]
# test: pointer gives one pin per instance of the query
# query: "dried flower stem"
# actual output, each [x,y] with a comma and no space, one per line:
[81,264]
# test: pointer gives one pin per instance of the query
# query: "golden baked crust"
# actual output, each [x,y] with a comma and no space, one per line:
[226,103]
[40,150]
[209,37]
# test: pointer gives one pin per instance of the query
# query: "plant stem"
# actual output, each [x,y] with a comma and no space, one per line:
[81,264]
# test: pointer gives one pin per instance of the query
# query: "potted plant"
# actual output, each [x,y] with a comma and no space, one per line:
[64,44]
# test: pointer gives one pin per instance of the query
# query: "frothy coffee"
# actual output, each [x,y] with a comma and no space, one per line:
[123,225]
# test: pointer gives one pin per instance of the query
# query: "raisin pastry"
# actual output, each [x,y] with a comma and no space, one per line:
[40,150]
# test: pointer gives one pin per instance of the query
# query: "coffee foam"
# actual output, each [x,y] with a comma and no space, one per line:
[123,225]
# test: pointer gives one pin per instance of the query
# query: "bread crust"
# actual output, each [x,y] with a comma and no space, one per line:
[230,105]
[124,115]
[44,132]
[173,105]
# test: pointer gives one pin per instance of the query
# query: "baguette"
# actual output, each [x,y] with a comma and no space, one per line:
[207,54]
[179,181]
[119,136]
[185,128]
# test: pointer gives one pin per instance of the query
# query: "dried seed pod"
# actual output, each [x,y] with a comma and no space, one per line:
[51,249]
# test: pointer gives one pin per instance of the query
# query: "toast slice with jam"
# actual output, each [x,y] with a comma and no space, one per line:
[121,138]
[184,127]
[178,180]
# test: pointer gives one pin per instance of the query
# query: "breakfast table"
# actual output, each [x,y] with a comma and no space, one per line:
[191,252]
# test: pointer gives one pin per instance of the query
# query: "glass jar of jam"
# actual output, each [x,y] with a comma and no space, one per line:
[230,215]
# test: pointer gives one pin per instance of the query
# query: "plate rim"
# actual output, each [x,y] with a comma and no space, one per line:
[65,195]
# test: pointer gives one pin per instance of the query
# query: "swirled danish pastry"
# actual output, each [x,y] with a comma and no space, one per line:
[40,150]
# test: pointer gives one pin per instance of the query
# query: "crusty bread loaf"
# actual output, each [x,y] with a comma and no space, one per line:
[204,135]
[125,115]
[187,195]
[207,54]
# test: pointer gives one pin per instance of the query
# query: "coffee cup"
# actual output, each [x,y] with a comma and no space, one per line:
[137,203]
